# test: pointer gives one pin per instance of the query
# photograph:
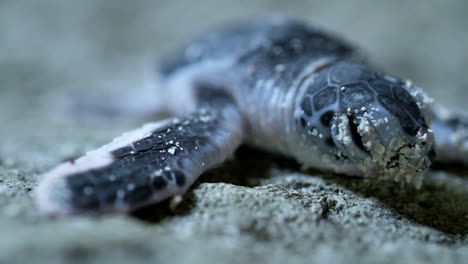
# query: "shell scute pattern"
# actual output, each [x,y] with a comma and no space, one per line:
[355,86]
[287,49]
[382,87]
[355,95]
[341,76]
[306,105]
[325,98]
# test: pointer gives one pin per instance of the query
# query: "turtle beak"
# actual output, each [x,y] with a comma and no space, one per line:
[379,150]
[350,137]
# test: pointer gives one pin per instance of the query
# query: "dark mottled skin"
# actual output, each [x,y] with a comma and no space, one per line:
[273,51]
[263,43]
[133,164]
[258,47]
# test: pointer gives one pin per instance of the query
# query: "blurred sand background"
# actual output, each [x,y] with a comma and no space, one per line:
[269,211]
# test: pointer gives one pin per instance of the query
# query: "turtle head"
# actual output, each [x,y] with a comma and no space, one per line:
[362,122]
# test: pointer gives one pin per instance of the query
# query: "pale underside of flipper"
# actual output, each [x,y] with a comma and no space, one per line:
[155,162]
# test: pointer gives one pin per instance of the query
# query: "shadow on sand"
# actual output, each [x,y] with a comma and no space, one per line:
[440,204]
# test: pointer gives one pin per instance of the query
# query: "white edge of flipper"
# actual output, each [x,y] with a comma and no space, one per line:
[94,159]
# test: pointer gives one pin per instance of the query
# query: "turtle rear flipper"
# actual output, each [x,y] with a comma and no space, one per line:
[144,166]
[451,135]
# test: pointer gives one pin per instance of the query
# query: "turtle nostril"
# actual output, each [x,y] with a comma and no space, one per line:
[353,128]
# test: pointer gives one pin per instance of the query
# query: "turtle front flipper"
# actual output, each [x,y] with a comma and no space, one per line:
[451,136]
[155,162]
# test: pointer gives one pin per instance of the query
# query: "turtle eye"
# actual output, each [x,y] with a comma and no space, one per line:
[326,118]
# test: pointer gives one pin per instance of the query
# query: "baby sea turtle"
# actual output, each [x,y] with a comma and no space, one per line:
[278,85]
